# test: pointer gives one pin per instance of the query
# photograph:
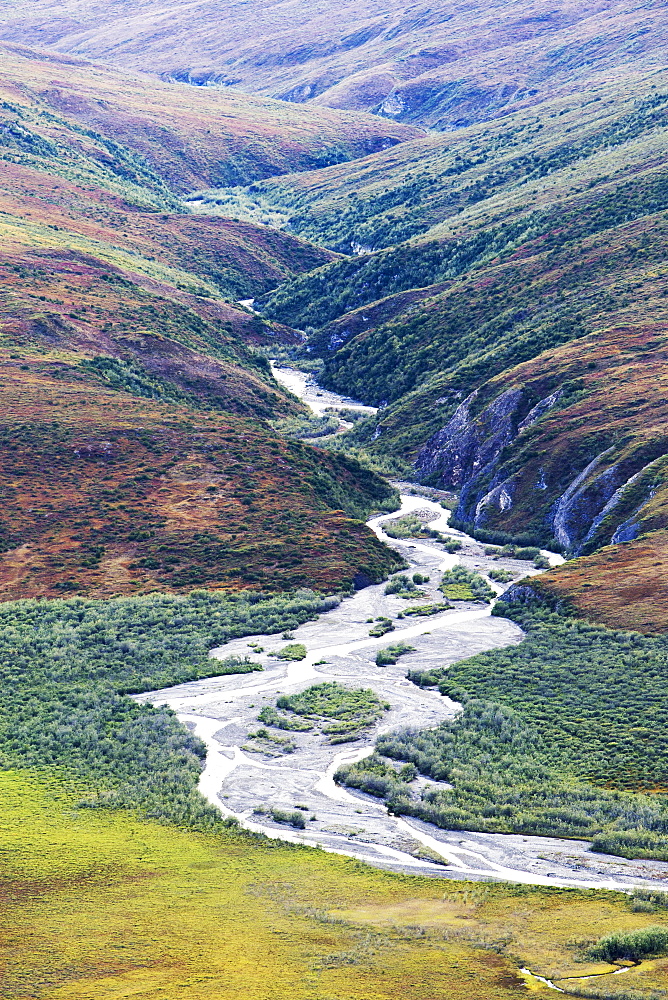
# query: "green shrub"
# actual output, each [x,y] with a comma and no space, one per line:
[408,526]
[513,552]
[400,584]
[426,609]
[500,575]
[381,628]
[339,712]
[271,717]
[293,651]
[306,427]
[238,665]
[451,545]
[389,656]
[295,818]
[555,737]
[67,666]
[460,584]
[270,743]
[379,777]
[631,946]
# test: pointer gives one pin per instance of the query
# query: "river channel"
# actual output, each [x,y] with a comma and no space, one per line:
[242,778]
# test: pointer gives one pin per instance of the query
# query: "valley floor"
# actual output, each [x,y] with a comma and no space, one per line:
[240,778]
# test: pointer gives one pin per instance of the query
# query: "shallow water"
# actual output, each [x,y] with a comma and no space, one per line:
[307,389]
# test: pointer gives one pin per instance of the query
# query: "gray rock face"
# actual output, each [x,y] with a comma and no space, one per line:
[574,497]
[465,447]
[466,455]
[466,452]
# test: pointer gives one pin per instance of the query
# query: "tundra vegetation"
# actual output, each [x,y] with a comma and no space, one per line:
[562,735]
[461,584]
[390,654]
[136,408]
[103,878]
[500,287]
[68,667]
[510,322]
[447,69]
[340,713]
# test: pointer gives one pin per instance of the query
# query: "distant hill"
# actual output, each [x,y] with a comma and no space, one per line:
[192,137]
[445,65]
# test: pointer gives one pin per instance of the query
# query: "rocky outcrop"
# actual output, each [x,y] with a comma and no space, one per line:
[485,454]
[573,497]
[465,454]
[467,446]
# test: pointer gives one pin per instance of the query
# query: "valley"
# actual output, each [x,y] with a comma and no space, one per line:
[246,776]
[333,589]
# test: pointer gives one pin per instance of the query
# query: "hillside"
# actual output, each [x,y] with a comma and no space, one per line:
[190,136]
[439,66]
[457,214]
[136,446]
[518,334]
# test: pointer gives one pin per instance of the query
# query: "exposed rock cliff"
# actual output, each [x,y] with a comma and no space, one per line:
[507,483]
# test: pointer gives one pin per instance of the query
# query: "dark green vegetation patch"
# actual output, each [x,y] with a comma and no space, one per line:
[340,713]
[67,668]
[555,737]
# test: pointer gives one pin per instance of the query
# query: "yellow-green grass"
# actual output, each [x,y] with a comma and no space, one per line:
[99,904]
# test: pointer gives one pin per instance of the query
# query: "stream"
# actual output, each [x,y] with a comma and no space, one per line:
[245,780]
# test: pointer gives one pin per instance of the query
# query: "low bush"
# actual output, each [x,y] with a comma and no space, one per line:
[408,526]
[295,818]
[557,737]
[381,628]
[451,545]
[67,666]
[238,665]
[425,609]
[460,584]
[631,946]
[271,717]
[293,651]
[390,655]
[306,427]
[269,743]
[340,713]
[515,552]
[379,777]
[289,818]
[400,584]
[500,575]
[648,900]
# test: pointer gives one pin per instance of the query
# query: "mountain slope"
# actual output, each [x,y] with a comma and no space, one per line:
[108,493]
[442,66]
[190,137]
[517,346]
[134,404]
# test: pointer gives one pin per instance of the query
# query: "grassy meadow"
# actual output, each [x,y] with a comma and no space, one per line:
[101,904]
